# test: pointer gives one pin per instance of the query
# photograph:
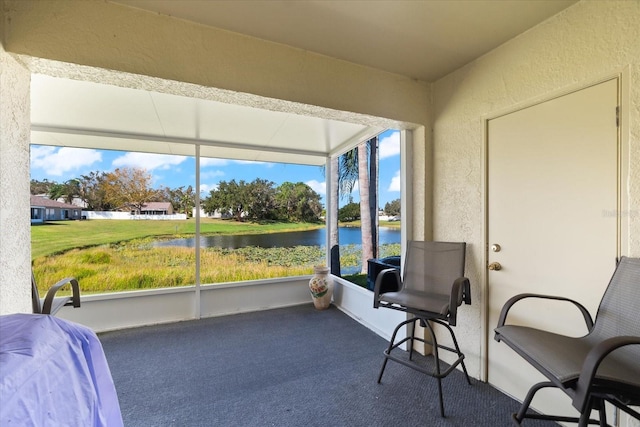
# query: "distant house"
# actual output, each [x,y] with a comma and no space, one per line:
[157,208]
[43,209]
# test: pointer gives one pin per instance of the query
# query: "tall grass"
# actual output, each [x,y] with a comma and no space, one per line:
[137,265]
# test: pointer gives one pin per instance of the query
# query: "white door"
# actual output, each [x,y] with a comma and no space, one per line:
[552,209]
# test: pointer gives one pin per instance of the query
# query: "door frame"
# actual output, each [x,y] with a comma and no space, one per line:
[622,211]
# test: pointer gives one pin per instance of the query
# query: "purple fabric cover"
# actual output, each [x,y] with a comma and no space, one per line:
[54,373]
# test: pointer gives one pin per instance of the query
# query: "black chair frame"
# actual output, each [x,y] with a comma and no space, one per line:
[437,372]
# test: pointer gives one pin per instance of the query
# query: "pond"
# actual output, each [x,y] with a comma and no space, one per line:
[347,236]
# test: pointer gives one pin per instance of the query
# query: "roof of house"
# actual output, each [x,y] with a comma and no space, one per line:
[48,203]
[156,206]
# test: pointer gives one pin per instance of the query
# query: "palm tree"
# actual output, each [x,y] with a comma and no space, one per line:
[373,193]
[357,165]
[365,212]
[334,242]
[361,164]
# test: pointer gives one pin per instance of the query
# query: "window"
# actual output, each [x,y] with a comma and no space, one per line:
[274,228]
[381,228]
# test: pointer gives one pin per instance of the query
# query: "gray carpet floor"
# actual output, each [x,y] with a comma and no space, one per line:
[287,367]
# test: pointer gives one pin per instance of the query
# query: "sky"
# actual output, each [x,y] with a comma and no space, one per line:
[61,164]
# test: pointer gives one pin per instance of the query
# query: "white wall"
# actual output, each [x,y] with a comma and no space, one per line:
[128,216]
[587,41]
[15,231]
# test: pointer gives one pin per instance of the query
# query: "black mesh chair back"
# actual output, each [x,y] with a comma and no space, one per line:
[619,310]
[432,268]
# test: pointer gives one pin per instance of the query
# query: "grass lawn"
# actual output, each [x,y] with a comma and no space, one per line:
[58,237]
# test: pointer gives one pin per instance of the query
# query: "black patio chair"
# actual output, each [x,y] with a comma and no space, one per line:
[51,304]
[602,366]
[432,289]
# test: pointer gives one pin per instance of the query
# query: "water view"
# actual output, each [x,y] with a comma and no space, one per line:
[347,236]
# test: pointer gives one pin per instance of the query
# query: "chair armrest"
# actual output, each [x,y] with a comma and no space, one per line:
[460,292]
[591,364]
[74,299]
[507,306]
[378,290]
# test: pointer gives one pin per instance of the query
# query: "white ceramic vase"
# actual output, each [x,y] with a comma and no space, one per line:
[321,287]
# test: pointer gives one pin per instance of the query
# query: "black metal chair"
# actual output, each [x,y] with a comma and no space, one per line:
[431,289]
[50,304]
[602,366]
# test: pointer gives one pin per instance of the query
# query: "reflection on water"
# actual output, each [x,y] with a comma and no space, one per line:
[347,236]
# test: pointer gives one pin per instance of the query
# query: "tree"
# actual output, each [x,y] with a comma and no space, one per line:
[298,202]
[56,191]
[92,191]
[181,199]
[129,188]
[67,191]
[41,187]
[354,166]
[365,212]
[334,239]
[230,198]
[392,208]
[349,212]
[373,194]
[261,200]
[348,173]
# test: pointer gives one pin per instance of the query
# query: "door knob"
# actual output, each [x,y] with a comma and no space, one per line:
[494,266]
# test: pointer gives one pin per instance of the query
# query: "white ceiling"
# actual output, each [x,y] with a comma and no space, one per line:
[81,114]
[419,39]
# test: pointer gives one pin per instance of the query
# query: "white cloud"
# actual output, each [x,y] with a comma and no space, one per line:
[211,174]
[208,161]
[389,146]
[253,162]
[395,182]
[58,161]
[148,161]
[206,188]
[318,187]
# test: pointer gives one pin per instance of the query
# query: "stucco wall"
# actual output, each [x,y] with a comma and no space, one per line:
[589,40]
[15,232]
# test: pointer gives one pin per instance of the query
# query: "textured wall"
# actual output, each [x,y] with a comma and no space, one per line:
[15,232]
[589,40]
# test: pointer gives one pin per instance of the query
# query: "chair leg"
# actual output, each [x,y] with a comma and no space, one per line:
[436,357]
[437,372]
[602,410]
[457,351]
[521,415]
[584,419]
[412,335]
[392,344]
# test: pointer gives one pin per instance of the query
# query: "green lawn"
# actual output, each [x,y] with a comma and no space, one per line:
[58,237]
